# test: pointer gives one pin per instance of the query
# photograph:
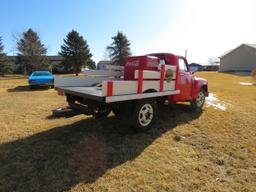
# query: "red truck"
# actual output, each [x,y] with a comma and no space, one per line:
[133,91]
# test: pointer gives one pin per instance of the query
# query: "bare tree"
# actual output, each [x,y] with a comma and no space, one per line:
[212,60]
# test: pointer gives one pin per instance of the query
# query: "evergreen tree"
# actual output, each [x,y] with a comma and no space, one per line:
[32,53]
[119,49]
[2,54]
[76,53]
[91,64]
[5,67]
[1,46]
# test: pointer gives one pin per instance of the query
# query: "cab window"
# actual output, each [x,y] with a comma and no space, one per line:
[162,61]
[182,65]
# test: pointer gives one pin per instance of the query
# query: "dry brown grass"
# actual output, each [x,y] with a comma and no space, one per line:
[187,151]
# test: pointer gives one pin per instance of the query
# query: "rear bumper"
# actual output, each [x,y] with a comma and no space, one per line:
[84,92]
[42,84]
[81,108]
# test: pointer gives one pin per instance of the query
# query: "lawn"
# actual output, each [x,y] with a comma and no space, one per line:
[214,150]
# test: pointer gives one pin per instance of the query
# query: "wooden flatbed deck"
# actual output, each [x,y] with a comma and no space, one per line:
[95,93]
[86,92]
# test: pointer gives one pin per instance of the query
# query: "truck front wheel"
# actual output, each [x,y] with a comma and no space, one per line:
[144,115]
[198,103]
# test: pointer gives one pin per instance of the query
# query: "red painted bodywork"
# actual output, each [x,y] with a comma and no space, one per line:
[162,78]
[110,88]
[140,81]
[139,62]
[188,85]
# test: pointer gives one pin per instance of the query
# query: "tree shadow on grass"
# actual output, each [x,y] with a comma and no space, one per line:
[59,158]
[26,88]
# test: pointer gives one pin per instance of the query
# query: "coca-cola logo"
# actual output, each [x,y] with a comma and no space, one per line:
[134,63]
[153,64]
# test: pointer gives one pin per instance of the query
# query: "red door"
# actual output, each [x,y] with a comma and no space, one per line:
[184,81]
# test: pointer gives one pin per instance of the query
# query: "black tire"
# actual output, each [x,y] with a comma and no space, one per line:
[52,86]
[102,113]
[31,87]
[116,111]
[143,121]
[124,111]
[198,103]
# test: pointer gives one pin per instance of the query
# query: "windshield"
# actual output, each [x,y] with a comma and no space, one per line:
[42,73]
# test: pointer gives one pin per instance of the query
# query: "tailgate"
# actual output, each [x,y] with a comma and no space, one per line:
[94,93]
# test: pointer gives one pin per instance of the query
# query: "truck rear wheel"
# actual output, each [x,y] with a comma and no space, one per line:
[116,111]
[144,115]
[198,103]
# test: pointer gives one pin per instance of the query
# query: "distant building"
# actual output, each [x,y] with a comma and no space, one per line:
[54,60]
[102,65]
[204,67]
[242,58]
[214,67]
[195,67]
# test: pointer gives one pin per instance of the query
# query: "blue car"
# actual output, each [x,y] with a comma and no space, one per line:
[41,78]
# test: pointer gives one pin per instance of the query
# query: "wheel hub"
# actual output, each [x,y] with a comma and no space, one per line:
[200,99]
[146,115]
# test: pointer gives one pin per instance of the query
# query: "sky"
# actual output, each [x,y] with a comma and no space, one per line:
[205,28]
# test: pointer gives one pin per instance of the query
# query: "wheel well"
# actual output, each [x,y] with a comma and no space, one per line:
[158,99]
[150,91]
[205,88]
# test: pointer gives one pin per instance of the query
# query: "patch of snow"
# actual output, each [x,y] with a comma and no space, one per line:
[213,101]
[245,83]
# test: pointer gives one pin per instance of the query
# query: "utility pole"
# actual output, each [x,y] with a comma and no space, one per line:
[186,53]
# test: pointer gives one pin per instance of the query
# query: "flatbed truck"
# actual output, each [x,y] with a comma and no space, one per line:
[135,90]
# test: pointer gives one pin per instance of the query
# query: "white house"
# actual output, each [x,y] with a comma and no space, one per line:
[242,58]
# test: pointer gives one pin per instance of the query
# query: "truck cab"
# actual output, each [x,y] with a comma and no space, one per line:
[186,82]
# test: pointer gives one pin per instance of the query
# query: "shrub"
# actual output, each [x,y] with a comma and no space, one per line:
[5,69]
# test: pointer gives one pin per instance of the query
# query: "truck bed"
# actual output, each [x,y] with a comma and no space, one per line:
[96,94]
[146,84]
[86,92]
